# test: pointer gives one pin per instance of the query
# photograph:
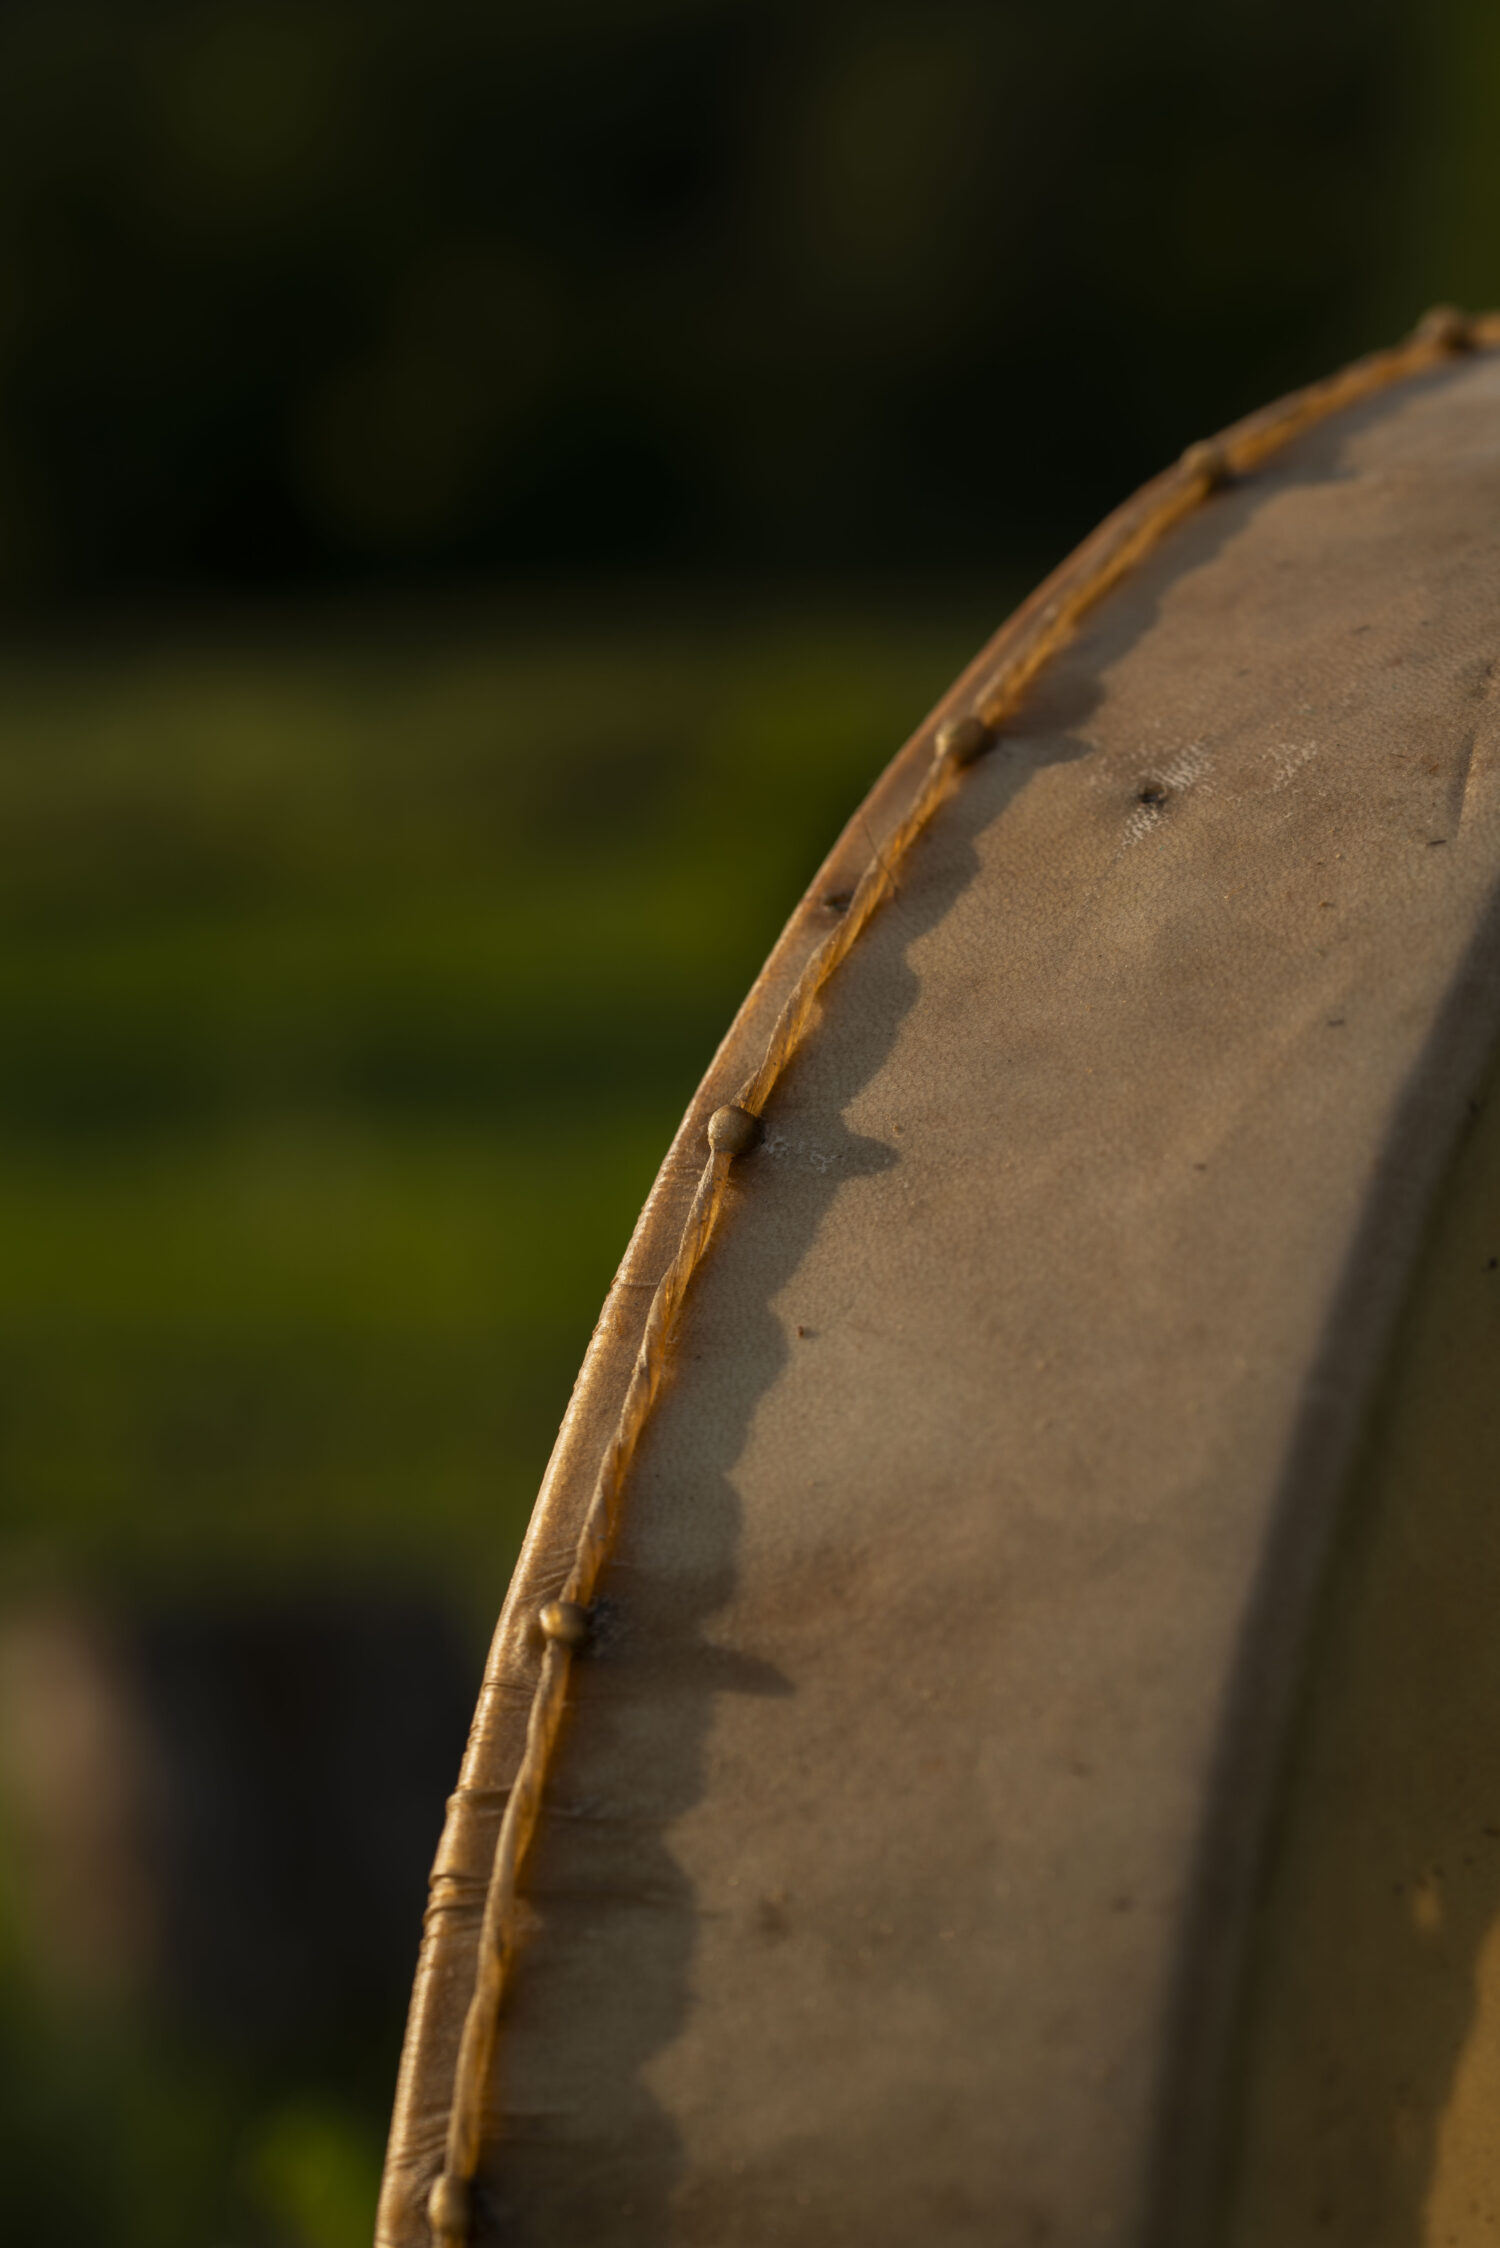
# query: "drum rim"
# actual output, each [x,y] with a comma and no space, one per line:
[471,1930]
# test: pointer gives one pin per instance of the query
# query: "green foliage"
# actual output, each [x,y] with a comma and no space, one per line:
[315,2169]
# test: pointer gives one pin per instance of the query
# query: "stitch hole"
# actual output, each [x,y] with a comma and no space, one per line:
[1152,794]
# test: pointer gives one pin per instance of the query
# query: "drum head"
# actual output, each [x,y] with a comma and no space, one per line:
[909,1865]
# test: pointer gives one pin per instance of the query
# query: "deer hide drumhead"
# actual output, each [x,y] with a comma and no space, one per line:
[896,1876]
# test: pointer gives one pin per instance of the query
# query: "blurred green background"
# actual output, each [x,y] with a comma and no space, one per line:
[482,491]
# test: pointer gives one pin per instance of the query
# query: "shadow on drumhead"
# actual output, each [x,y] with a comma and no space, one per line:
[607,1977]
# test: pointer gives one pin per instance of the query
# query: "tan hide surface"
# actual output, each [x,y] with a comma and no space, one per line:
[893,1884]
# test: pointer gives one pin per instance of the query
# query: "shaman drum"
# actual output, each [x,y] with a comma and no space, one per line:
[995,1732]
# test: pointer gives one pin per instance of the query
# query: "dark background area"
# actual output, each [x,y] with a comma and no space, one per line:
[301,294]
[482,492]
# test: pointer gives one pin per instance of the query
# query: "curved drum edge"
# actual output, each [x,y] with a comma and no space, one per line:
[1433,1103]
[1367,2061]
[1224,2042]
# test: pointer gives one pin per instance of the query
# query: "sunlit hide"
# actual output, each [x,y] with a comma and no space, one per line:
[970,1719]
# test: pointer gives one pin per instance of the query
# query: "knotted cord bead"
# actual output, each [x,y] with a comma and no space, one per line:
[448,2210]
[1208,461]
[565,1623]
[733,1131]
[961,740]
[1446,327]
